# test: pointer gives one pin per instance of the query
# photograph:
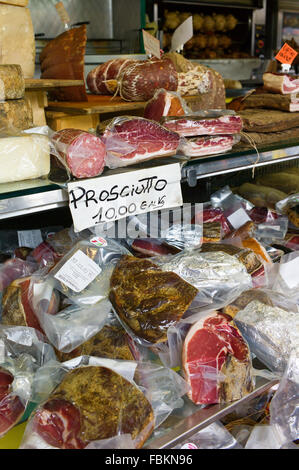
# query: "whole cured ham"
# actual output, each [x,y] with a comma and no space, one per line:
[140,80]
[90,404]
[131,140]
[281,83]
[83,153]
[164,103]
[11,407]
[102,80]
[201,146]
[195,125]
[216,361]
[63,58]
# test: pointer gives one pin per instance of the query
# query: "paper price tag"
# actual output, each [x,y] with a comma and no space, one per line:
[182,35]
[286,55]
[78,272]
[151,45]
[238,218]
[30,238]
[111,198]
[289,273]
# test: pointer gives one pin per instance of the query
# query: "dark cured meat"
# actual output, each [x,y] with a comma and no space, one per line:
[214,345]
[139,81]
[194,125]
[93,403]
[83,153]
[63,58]
[98,78]
[148,299]
[208,216]
[16,308]
[15,269]
[164,103]
[11,407]
[150,247]
[135,139]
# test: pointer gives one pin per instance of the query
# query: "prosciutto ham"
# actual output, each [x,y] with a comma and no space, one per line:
[281,83]
[195,125]
[199,147]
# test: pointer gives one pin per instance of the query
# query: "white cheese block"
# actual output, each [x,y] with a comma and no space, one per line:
[24,157]
[17,42]
[20,3]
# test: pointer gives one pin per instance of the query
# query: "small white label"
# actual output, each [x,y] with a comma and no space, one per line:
[30,238]
[109,198]
[98,241]
[2,351]
[189,445]
[78,272]
[238,218]
[289,273]
[182,34]
[151,45]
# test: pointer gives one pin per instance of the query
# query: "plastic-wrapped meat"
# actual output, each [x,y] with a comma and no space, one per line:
[148,247]
[16,306]
[147,299]
[164,103]
[15,269]
[216,361]
[90,404]
[196,125]
[131,140]
[201,146]
[140,80]
[280,83]
[11,407]
[208,216]
[83,153]
[100,79]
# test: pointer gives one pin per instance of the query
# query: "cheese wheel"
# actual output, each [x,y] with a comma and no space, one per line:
[16,114]
[17,38]
[12,83]
[24,157]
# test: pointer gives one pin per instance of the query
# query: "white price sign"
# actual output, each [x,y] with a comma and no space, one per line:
[111,198]
[182,35]
[151,45]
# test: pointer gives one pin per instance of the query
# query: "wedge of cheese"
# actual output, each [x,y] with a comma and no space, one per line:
[17,38]
[24,157]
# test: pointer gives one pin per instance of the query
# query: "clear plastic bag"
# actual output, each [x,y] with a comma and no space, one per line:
[272,331]
[283,277]
[214,436]
[137,398]
[207,145]
[233,207]
[22,352]
[131,139]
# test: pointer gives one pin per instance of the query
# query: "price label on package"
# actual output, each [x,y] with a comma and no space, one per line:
[289,273]
[182,35]
[111,198]
[151,45]
[286,55]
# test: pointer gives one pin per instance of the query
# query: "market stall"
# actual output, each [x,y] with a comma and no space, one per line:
[129,318]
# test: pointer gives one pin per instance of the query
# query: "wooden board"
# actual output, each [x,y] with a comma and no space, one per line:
[101,105]
[47,84]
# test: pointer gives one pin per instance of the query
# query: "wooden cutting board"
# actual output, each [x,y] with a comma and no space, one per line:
[100,105]
[47,84]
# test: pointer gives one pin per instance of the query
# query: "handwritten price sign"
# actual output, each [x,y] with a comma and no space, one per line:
[111,198]
[151,45]
[286,55]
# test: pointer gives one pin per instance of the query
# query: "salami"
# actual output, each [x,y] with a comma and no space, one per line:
[83,153]
[140,80]
[100,80]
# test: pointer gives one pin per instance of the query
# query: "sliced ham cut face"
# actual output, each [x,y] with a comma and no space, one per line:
[82,153]
[216,361]
[202,146]
[131,140]
[11,407]
[164,103]
[193,125]
[281,83]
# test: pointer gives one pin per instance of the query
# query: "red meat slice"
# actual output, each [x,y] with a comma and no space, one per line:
[14,269]
[150,248]
[131,140]
[210,344]
[83,153]
[208,216]
[11,407]
[199,147]
[193,125]
[58,422]
[164,103]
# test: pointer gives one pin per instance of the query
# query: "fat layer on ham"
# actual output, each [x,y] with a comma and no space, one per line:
[280,83]
[195,125]
[201,146]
